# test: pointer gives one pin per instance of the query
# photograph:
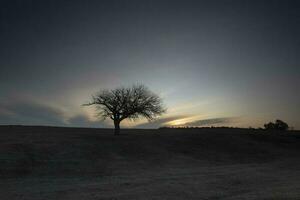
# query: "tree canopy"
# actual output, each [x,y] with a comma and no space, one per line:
[278,125]
[131,102]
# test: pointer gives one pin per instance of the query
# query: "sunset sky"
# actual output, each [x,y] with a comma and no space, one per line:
[214,63]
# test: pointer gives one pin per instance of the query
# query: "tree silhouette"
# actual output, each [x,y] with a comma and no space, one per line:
[269,126]
[281,125]
[127,103]
[278,125]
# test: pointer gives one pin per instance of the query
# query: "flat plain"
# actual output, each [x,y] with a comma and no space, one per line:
[214,163]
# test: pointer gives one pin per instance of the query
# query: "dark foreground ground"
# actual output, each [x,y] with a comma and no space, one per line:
[70,163]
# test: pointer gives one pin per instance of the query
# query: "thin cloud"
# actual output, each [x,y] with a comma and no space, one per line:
[213,121]
[83,121]
[30,113]
[159,122]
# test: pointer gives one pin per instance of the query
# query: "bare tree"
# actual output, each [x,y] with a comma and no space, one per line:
[127,103]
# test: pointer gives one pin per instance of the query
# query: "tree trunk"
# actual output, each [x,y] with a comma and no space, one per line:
[117,127]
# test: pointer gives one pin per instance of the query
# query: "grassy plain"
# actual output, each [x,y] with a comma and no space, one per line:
[77,163]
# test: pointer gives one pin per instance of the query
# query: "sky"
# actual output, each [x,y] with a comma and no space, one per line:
[214,63]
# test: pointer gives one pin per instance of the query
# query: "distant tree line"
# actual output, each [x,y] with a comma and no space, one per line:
[198,127]
[278,125]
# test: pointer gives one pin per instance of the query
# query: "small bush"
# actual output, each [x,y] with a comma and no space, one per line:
[278,125]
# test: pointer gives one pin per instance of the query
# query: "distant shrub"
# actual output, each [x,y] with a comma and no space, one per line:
[269,126]
[278,125]
[198,127]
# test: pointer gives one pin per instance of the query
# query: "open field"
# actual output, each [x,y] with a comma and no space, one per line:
[75,163]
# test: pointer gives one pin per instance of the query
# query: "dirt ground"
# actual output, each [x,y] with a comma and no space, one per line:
[73,163]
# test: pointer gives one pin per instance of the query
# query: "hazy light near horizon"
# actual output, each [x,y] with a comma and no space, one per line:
[182,121]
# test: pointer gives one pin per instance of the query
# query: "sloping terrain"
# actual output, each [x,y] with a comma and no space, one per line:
[78,163]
